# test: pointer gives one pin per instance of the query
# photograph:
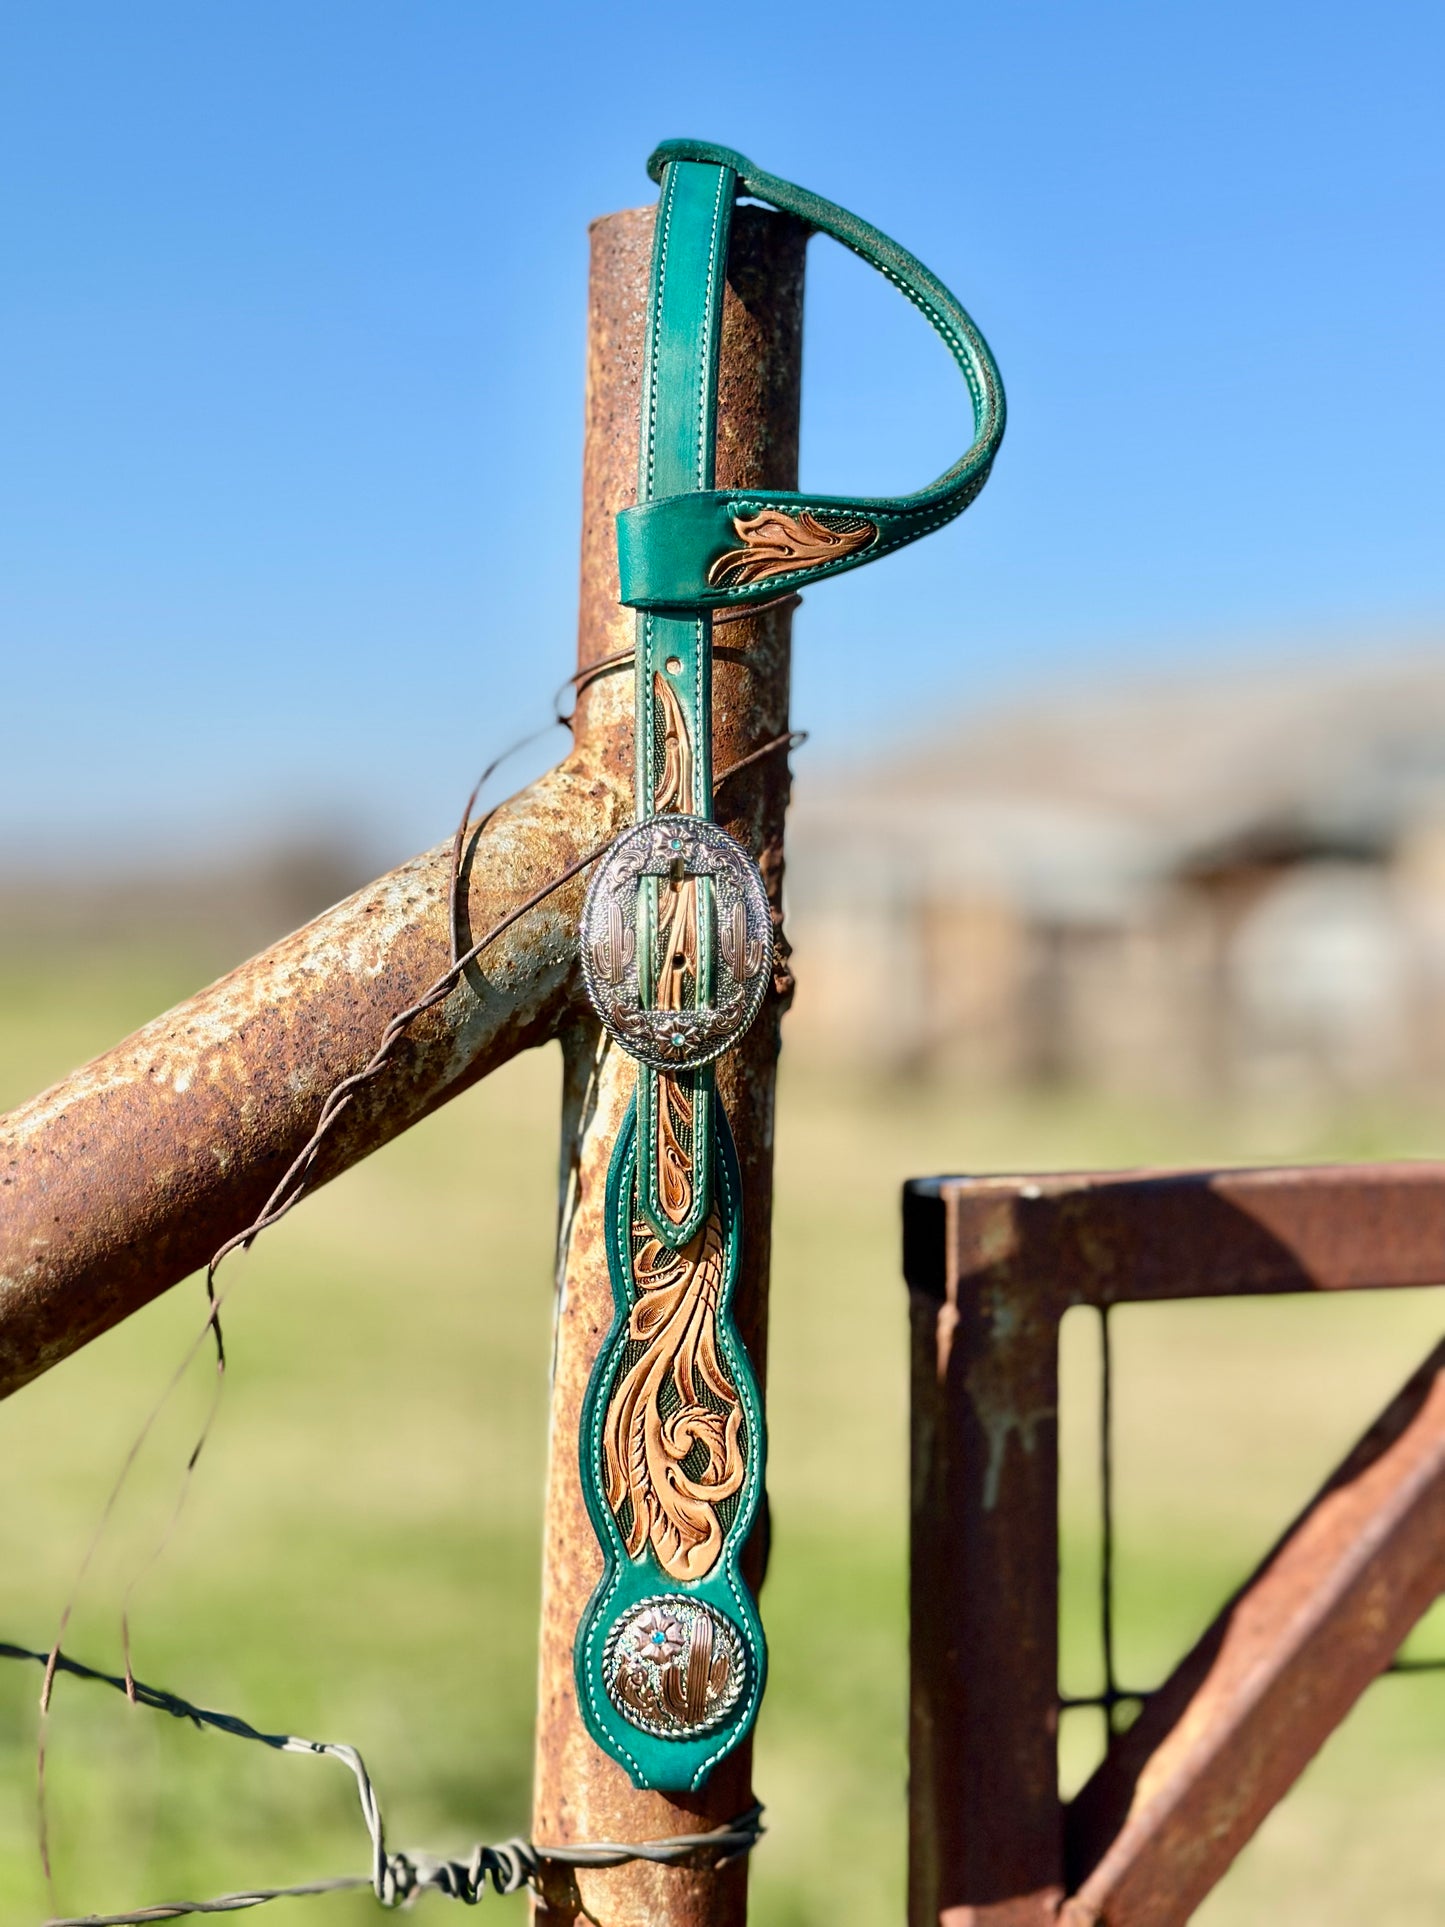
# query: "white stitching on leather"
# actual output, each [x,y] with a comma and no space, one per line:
[703,478]
[666,212]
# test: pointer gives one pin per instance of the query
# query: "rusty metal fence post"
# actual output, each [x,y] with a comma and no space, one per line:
[983,1580]
[580,1793]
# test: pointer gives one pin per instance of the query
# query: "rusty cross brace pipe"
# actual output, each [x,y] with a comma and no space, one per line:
[123,1179]
[1235,1725]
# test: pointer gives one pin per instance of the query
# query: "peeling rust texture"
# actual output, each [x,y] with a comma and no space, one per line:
[1239,1720]
[985,1830]
[992,1265]
[122,1179]
[1103,1238]
[581,1793]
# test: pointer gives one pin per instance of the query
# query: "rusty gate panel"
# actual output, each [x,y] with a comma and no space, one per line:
[992,1265]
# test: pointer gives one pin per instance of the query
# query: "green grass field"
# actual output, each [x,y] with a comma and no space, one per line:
[359,1558]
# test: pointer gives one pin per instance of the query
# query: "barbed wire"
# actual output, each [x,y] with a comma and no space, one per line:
[395,1878]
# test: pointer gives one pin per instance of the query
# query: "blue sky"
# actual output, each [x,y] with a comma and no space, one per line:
[291,351]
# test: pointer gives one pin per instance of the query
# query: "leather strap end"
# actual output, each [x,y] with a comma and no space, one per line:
[685,554]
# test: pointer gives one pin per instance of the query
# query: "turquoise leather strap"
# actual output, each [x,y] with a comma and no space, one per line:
[676,944]
[670,1667]
[699,548]
[670,1657]
[676,455]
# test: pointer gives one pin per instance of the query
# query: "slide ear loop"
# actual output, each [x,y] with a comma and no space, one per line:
[707,548]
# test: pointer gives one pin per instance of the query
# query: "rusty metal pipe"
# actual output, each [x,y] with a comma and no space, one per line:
[122,1179]
[125,1177]
[580,1793]
[1225,1738]
[985,1830]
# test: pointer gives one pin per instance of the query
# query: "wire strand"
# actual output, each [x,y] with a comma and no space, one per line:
[395,1877]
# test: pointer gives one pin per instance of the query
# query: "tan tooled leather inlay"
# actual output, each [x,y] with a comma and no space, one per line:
[776,544]
[677,903]
[674,1320]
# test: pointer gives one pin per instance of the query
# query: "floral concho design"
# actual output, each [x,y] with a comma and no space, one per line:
[674,1666]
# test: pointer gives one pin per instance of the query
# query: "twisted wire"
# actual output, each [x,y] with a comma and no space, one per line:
[395,1878]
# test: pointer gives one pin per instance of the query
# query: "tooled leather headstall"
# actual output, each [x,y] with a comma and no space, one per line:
[677,955]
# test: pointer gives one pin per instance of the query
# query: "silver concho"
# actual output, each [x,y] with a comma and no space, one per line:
[676,846]
[674,1667]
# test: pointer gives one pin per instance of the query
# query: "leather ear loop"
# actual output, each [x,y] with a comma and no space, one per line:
[936,302]
[681,551]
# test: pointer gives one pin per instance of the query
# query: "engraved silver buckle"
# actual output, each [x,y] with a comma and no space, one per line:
[674,848]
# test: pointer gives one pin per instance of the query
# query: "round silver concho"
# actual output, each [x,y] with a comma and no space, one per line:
[677,847]
[674,1667]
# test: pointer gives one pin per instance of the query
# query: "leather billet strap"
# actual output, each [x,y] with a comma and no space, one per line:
[677,446]
[689,549]
[676,949]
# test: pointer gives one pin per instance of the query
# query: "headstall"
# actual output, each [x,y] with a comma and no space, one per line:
[677,955]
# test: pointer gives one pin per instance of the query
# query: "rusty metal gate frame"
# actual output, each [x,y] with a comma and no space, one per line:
[992,1265]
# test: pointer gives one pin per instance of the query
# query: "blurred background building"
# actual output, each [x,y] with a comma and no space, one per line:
[1232,884]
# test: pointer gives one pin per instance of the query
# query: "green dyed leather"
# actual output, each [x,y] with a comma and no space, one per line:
[676,456]
[671,540]
[676,1766]
[676,459]
[670,1669]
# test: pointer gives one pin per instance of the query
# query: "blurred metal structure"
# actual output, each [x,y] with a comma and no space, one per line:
[125,1178]
[992,1266]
